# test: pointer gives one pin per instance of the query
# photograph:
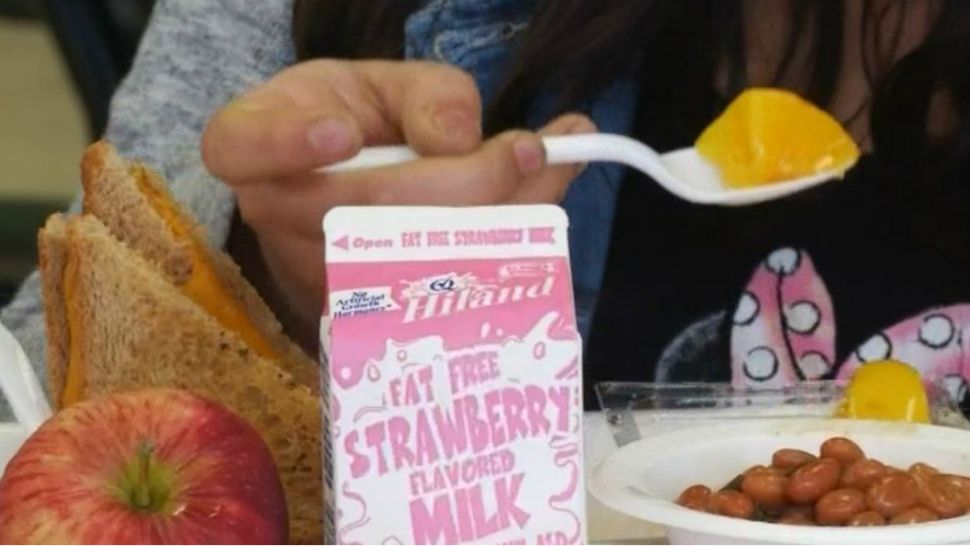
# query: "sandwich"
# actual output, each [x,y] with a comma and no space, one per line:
[135,297]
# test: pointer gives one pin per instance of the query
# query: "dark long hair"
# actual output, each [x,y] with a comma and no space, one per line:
[578,46]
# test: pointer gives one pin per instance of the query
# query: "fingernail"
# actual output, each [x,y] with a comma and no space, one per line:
[330,136]
[529,156]
[582,128]
[453,121]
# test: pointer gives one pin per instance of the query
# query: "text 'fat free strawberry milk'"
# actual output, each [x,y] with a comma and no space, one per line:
[453,372]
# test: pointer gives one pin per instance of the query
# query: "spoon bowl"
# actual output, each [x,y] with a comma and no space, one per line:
[693,171]
[683,172]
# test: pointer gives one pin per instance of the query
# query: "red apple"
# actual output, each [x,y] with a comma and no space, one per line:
[156,466]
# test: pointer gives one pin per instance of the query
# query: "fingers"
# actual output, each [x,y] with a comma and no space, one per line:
[569,124]
[248,142]
[509,168]
[322,112]
[551,185]
[437,107]
[487,176]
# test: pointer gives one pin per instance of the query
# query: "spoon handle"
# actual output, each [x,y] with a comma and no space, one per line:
[559,150]
[373,157]
[20,385]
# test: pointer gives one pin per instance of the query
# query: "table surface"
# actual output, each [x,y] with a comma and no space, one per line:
[605,525]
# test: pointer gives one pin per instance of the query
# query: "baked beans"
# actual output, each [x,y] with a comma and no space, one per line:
[838,487]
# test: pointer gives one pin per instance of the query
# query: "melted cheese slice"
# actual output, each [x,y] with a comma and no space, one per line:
[75,373]
[203,286]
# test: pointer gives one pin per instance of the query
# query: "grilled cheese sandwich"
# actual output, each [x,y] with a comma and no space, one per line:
[134,297]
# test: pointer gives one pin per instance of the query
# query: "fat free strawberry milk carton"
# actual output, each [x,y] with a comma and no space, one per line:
[453,373]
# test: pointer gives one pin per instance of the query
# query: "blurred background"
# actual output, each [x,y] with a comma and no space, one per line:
[60,61]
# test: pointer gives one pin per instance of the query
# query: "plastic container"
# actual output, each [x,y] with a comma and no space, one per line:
[637,410]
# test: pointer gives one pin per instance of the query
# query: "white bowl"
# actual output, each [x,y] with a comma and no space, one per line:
[643,478]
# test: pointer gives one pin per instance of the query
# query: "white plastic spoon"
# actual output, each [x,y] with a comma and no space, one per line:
[20,385]
[683,172]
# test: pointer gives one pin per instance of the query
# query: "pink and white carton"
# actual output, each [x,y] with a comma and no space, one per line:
[453,375]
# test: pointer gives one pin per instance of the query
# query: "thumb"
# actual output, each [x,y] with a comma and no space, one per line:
[247,140]
[550,185]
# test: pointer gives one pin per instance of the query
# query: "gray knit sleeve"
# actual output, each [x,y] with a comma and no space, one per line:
[195,56]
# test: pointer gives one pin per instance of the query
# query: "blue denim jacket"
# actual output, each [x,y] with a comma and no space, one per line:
[478,36]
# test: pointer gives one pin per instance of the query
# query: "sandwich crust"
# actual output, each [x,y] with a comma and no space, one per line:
[111,194]
[52,247]
[126,197]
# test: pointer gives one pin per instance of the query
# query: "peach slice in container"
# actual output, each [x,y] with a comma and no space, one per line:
[886,391]
[767,144]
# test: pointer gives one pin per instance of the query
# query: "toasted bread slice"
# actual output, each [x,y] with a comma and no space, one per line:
[132,328]
[52,250]
[132,201]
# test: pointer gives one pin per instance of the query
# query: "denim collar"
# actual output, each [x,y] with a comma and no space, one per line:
[478,11]
[437,20]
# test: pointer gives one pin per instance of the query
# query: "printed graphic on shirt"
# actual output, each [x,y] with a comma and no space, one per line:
[784,330]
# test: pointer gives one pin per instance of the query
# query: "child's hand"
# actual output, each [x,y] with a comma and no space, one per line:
[267,143]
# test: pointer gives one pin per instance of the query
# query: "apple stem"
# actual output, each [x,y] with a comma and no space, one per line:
[142,496]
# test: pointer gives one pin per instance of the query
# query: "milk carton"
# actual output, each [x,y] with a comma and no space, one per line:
[453,373]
